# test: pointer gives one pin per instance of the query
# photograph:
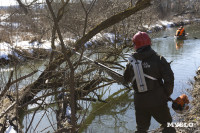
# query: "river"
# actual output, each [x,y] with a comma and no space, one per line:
[185,61]
[118,116]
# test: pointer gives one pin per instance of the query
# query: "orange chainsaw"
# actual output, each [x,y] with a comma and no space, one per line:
[180,104]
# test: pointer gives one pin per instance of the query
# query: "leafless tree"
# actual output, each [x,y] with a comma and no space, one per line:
[66,73]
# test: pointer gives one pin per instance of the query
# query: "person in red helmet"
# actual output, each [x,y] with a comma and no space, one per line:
[153,83]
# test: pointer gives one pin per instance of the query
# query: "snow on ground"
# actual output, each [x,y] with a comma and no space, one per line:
[93,40]
[24,45]
[8,49]
[70,40]
[167,23]
[6,69]
[5,50]
[197,19]
[10,129]
[29,46]
[14,25]
[4,17]
[157,25]
[99,37]
[110,36]
[161,24]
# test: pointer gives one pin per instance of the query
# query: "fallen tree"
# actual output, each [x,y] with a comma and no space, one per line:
[61,71]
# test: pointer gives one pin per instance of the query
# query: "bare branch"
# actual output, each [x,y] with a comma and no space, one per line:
[113,20]
[23,6]
[61,10]
[34,115]
[7,110]
[7,85]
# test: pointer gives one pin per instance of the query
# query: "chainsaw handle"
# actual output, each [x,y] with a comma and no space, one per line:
[170,99]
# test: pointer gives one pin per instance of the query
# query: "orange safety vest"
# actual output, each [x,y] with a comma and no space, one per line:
[179,32]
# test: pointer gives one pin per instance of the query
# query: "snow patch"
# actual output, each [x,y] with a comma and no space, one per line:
[110,37]
[93,40]
[70,40]
[5,50]
[6,69]
[4,17]
[10,129]
[167,23]
[13,25]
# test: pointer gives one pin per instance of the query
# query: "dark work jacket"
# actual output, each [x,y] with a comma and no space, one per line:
[158,90]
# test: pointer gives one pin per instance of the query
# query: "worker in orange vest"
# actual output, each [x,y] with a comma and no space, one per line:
[180,31]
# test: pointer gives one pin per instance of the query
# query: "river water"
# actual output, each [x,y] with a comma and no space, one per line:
[118,116]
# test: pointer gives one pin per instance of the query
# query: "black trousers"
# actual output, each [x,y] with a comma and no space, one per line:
[161,114]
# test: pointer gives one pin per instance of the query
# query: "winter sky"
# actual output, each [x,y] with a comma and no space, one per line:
[13,2]
[8,2]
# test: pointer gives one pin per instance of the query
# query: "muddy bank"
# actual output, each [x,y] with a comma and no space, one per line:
[26,50]
[161,25]
[21,56]
[193,115]
[18,53]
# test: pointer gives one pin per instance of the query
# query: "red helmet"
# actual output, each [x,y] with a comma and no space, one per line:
[141,39]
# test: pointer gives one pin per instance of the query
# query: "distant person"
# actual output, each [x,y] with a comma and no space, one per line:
[180,31]
[153,83]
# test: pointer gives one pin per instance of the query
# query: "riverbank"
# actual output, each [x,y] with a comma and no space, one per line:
[166,47]
[193,115]
[163,24]
[20,52]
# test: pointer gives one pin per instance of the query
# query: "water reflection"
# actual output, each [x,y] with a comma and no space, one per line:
[179,44]
[118,114]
